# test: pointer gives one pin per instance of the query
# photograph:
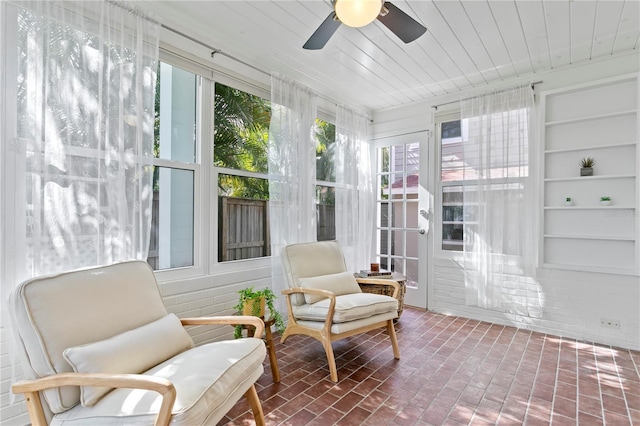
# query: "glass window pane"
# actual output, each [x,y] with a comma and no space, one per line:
[452,214]
[383,239]
[452,236]
[396,158]
[397,185]
[325,151]
[383,184]
[397,242]
[413,158]
[397,215]
[243,187]
[325,213]
[171,244]
[412,214]
[452,155]
[175,115]
[241,129]
[243,230]
[412,244]
[383,160]
[452,194]
[411,272]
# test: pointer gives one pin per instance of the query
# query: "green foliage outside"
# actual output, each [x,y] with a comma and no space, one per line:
[241,139]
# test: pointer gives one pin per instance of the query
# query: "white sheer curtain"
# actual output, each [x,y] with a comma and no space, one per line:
[354,188]
[292,169]
[500,201]
[78,86]
[86,75]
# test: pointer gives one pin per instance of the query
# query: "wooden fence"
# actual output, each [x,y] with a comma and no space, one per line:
[243,228]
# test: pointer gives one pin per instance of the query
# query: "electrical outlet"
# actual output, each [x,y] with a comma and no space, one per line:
[610,323]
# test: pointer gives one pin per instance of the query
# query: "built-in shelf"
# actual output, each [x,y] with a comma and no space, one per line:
[588,178]
[590,118]
[589,208]
[589,268]
[589,148]
[583,236]
[590,237]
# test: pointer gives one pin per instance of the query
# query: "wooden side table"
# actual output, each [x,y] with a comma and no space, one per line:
[386,290]
[268,340]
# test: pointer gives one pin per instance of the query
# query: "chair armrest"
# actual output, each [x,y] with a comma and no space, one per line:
[228,320]
[382,281]
[30,389]
[319,292]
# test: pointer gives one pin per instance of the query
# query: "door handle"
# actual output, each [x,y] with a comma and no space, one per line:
[422,231]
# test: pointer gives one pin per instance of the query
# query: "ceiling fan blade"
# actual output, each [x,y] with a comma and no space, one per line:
[401,24]
[324,32]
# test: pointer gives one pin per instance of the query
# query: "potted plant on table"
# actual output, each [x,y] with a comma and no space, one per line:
[586,166]
[253,302]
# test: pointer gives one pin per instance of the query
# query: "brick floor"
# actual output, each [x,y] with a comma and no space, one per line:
[452,371]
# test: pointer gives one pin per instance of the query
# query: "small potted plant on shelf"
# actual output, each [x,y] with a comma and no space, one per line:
[252,302]
[568,201]
[586,166]
[605,201]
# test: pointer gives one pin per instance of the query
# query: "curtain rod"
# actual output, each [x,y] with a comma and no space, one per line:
[471,97]
[214,51]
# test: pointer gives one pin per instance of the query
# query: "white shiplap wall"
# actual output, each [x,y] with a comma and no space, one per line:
[573,302]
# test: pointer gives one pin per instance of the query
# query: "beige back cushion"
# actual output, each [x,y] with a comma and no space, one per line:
[60,311]
[339,284]
[134,351]
[306,260]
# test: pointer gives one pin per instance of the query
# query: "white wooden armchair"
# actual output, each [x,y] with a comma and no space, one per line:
[325,302]
[99,348]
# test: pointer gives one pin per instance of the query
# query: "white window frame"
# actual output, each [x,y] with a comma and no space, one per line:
[440,118]
[214,263]
[199,177]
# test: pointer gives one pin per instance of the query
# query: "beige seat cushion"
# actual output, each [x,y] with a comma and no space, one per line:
[207,378]
[348,307]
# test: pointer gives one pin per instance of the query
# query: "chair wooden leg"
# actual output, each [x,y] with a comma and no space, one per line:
[34,405]
[256,407]
[394,339]
[284,335]
[328,349]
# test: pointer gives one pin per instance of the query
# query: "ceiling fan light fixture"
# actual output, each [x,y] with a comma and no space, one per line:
[358,13]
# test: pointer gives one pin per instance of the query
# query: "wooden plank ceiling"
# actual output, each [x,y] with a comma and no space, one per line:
[468,44]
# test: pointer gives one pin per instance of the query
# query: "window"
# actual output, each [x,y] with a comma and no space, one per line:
[325,177]
[458,178]
[175,169]
[451,176]
[241,123]
[239,171]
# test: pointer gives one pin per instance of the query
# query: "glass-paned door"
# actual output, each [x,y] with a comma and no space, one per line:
[401,237]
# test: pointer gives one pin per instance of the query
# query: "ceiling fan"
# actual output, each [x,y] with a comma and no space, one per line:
[358,13]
